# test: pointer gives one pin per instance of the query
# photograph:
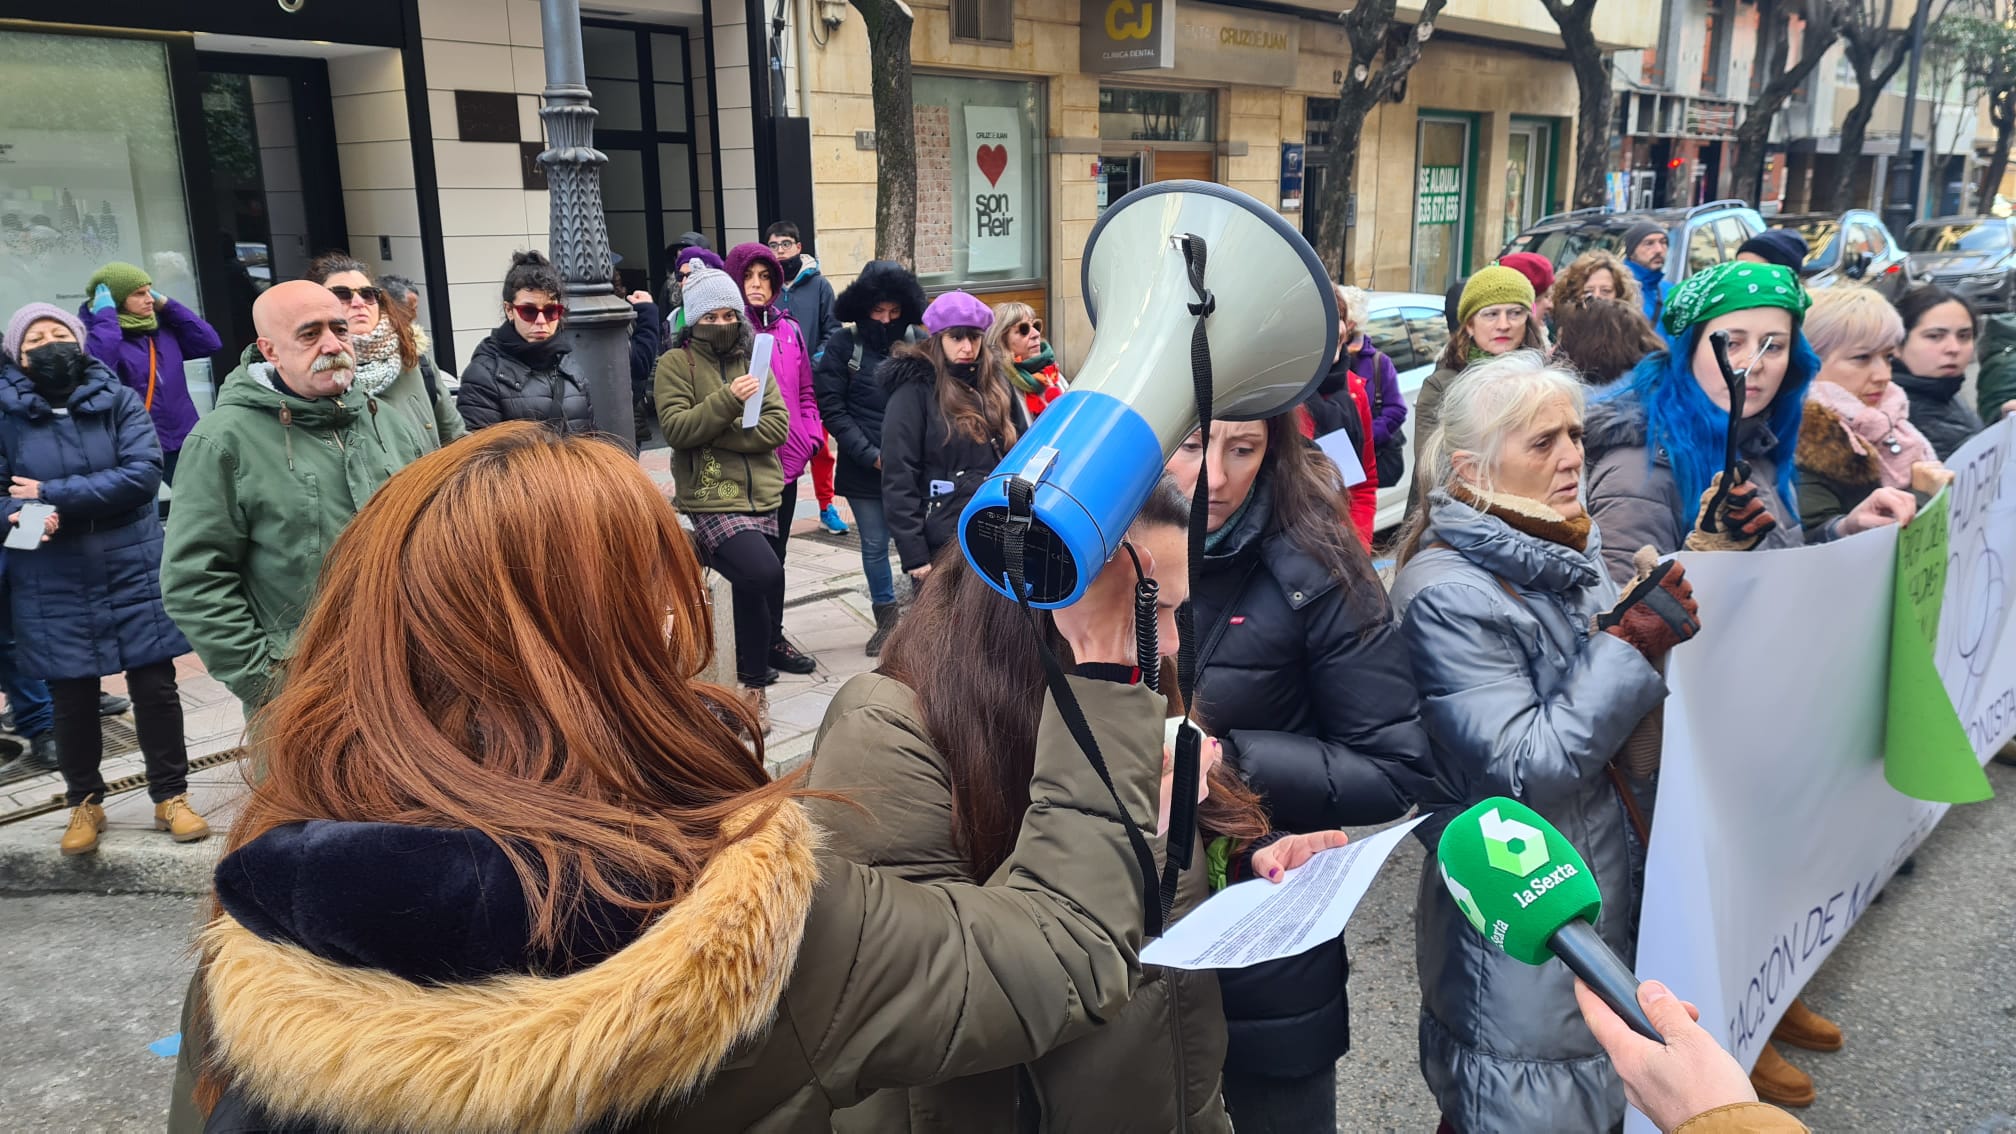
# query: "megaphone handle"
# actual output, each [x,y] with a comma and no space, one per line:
[1588,956]
[1718,344]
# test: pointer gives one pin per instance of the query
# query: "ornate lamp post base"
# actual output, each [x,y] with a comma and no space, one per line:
[598,320]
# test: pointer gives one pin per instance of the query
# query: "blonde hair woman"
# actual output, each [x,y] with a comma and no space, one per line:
[1031,366]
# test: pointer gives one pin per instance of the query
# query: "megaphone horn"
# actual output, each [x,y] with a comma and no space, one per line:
[1089,462]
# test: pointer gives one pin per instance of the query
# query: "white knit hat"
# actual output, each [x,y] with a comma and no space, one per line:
[708,290]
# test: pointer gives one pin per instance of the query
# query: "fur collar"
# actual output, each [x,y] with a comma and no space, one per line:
[361,1049]
[1827,449]
[1528,516]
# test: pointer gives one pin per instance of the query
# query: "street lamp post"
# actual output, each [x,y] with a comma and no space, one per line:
[598,320]
[1901,203]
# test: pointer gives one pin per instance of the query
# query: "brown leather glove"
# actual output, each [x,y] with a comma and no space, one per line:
[1657,613]
[1738,522]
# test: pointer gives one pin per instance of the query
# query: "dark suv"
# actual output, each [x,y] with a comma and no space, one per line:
[1970,256]
[1698,237]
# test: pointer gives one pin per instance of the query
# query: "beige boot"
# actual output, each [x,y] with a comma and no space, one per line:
[180,820]
[758,700]
[1778,1082]
[87,819]
[1803,1027]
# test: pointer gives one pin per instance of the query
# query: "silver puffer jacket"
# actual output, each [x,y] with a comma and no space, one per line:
[1521,699]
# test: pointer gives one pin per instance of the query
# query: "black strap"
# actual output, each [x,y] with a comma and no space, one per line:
[1188,757]
[1020,493]
[427,379]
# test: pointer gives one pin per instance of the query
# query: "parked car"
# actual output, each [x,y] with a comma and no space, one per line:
[1409,327]
[1697,237]
[1850,248]
[1972,256]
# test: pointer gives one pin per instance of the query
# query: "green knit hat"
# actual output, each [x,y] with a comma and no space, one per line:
[1733,286]
[1494,285]
[123,280]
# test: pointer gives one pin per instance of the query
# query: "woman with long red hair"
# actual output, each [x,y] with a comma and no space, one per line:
[511,869]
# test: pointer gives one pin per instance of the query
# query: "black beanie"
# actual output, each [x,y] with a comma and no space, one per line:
[1636,234]
[1780,246]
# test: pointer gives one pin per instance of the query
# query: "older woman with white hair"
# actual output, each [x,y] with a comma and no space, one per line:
[1532,673]
[1856,435]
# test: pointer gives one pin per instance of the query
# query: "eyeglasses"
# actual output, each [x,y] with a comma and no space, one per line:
[781,245]
[1035,325]
[345,294]
[533,313]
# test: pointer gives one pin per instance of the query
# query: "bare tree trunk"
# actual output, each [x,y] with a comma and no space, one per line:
[1753,137]
[1854,129]
[1367,26]
[1593,102]
[888,23]
[2002,111]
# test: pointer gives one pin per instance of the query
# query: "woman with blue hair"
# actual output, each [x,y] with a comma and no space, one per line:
[1656,443]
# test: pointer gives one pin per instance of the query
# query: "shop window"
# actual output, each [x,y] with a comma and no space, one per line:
[92,170]
[984,21]
[1128,114]
[1320,116]
[980,183]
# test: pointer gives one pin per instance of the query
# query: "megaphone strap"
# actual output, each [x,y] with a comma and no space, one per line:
[1187,769]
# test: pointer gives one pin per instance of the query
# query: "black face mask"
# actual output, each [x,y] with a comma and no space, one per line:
[793,265]
[967,372]
[56,370]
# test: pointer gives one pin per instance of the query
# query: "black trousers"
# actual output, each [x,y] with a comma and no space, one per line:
[157,717]
[1262,1105]
[749,561]
[785,513]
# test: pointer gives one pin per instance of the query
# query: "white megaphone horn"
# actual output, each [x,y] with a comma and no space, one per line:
[1078,477]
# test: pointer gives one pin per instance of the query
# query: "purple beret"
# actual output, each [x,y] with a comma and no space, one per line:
[957,309]
[700,254]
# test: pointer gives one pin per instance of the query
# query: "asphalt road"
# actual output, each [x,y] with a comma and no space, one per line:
[1925,986]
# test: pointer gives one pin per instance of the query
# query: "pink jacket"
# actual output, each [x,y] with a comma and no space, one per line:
[793,370]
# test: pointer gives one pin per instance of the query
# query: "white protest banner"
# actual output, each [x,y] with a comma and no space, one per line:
[1974,654]
[1775,826]
[995,171]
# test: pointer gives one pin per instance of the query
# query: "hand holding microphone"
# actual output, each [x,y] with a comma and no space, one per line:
[1668,1082]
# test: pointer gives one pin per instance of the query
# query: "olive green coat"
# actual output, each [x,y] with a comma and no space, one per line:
[1152,1069]
[718,465]
[438,421]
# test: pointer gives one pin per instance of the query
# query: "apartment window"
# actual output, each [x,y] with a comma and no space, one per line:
[984,21]
[1712,49]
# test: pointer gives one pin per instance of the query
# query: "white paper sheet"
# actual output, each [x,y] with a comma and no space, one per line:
[1337,446]
[1258,920]
[759,365]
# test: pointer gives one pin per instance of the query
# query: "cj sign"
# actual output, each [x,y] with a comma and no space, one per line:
[1126,35]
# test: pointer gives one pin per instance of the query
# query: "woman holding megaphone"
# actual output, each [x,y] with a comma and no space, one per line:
[520,872]
[1532,674]
[1303,677]
[936,749]
[950,418]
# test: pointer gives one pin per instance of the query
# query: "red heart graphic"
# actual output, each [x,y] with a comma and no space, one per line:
[992,161]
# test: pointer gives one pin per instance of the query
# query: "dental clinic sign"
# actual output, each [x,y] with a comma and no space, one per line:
[1126,35]
[996,170]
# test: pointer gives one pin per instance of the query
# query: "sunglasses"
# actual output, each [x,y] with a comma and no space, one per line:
[1035,325]
[345,294]
[533,313]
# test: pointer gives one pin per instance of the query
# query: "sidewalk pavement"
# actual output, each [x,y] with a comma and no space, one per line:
[826,612]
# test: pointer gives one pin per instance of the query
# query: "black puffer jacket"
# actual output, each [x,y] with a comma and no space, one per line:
[1936,408]
[918,449]
[508,379]
[849,390]
[1312,693]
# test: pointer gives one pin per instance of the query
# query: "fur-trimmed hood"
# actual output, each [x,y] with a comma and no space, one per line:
[905,367]
[306,1026]
[1827,449]
[881,281]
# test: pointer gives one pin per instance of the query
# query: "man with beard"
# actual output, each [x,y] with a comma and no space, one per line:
[267,481]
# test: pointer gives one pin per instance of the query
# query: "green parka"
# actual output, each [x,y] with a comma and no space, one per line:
[1152,1069]
[265,483]
[437,418]
[718,465]
[786,982]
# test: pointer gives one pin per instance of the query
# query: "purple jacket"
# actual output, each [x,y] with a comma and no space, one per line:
[793,370]
[182,335]
[1382,385]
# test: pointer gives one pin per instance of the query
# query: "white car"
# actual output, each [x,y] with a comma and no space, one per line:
[1411,329]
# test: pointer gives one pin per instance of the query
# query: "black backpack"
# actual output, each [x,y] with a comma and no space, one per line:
[1391,454]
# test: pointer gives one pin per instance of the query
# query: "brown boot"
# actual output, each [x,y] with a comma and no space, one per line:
[1778,1082]
[2006,754]
[87,819]
[180,820]
[758,700]
[1803,1027]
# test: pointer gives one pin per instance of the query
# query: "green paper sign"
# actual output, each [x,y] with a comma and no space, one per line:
[1926,752]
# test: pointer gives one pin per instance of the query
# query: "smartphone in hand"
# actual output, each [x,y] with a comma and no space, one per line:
[27,535]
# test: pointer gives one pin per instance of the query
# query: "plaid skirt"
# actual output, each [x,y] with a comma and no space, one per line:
[712,529]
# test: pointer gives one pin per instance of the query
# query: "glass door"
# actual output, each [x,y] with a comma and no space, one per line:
[1441,201]
[1119,175]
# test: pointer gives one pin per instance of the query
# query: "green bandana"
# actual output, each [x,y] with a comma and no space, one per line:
[1733,286]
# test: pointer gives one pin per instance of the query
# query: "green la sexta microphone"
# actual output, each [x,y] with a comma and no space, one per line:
[1527,890]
